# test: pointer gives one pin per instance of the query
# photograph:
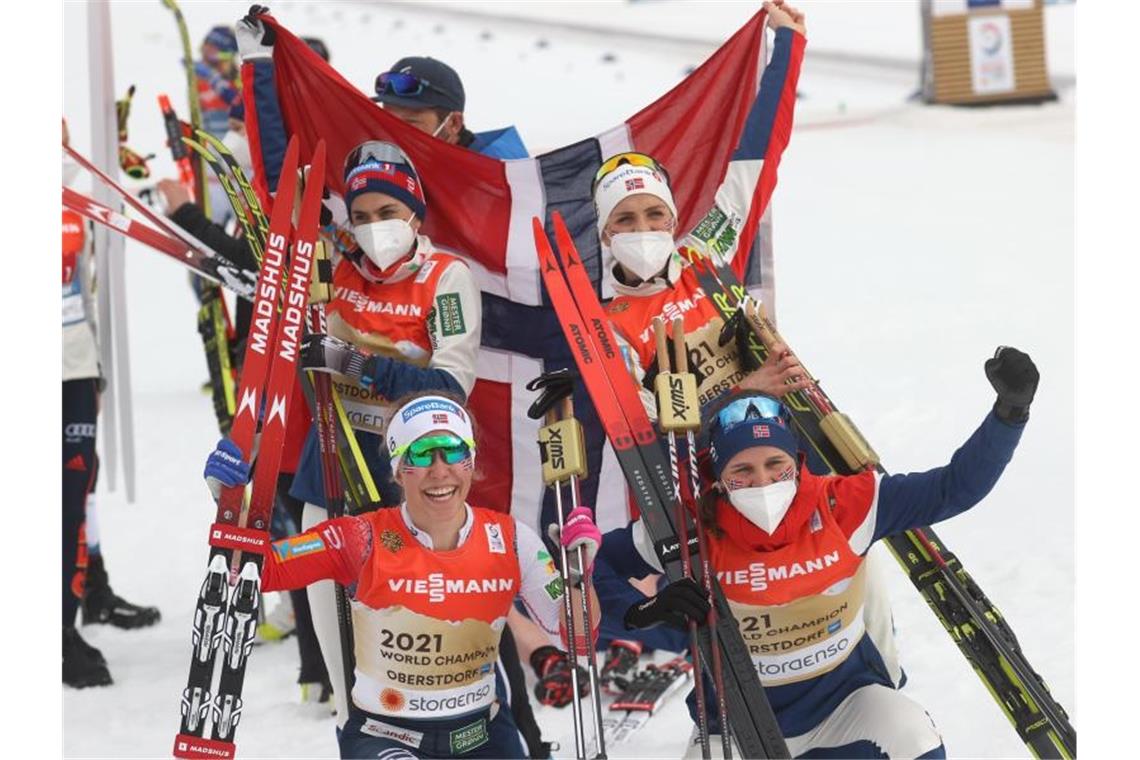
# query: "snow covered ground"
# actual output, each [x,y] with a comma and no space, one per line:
[910,241]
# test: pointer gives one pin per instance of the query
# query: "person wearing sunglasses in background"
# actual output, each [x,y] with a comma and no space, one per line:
[428,94]
[431,583]
[789,549]
[421,91]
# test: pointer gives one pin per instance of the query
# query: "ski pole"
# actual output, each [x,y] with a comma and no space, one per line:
[587,618]
[676,405]
[324,417]
[680,365]
[177,150]
[558,460]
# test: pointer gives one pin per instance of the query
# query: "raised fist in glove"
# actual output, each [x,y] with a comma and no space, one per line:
[225,468]
[578,530]
[254,39]
[675,605]
[552,667]
[1014,376]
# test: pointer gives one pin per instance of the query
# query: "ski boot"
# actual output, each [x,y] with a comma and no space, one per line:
[102,605]
[83,664]
[319,695]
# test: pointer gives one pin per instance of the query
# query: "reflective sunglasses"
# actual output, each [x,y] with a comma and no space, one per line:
[379,151]
[421,452]
[633,159]
[749,409]
[401,83]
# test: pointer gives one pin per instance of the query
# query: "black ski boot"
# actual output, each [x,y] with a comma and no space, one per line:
[83,664]
[102,605]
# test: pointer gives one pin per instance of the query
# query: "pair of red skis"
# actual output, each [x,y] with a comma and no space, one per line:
[228,601]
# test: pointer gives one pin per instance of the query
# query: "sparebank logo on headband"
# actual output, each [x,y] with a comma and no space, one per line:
[432,405]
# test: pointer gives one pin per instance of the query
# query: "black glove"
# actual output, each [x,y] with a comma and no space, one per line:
[552,666]
[325,353]
[620,666]
[1014,376]
[737,328]
[675,605]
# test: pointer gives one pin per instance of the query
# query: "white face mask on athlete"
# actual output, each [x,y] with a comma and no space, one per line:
[764,506]
[70,170]
[386,242]
[643,253]
[239,146]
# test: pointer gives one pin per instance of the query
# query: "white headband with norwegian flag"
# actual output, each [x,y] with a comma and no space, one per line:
[424,415]
[627,180]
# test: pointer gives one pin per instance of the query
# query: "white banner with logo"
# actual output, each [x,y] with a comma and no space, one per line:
[991,54]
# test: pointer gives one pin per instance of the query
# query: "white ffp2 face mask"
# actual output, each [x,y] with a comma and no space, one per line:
[386,242]
[643,253]
[764,506]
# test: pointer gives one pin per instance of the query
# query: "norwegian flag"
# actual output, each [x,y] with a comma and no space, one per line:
[714,128]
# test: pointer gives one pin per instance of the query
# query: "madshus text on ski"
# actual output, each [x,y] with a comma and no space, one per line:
[355,389]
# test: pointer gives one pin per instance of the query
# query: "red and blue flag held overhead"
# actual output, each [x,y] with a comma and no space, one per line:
[715,131]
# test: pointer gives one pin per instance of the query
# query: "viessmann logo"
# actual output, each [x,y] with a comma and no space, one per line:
[758,575]
[437,587]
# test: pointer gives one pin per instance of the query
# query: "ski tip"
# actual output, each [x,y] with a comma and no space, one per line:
[292,151]
[541,239]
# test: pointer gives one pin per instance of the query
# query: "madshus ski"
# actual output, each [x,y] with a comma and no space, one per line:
[357,479]
[645,695]
[635,442]
[225,616]
[972,620]
[328,414]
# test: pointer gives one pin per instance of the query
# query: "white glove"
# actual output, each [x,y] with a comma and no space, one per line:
[253,39]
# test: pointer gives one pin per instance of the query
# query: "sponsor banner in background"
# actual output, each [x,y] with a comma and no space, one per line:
[991,54]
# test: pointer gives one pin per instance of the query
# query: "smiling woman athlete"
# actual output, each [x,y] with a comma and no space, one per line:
[431,583]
